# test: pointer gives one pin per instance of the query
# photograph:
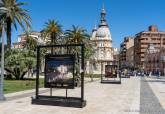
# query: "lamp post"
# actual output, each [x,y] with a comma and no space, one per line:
[2,66]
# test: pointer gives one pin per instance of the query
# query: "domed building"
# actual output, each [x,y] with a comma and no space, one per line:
[102,42]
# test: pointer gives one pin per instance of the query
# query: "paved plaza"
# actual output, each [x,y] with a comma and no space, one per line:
[135,95]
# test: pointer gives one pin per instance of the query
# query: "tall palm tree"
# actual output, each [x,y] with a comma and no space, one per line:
[76,35]
[52,30]
[15,14]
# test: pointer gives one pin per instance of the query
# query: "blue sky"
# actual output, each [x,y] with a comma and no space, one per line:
[125,17]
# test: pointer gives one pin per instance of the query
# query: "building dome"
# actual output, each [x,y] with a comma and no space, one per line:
[103,32]
[93,36]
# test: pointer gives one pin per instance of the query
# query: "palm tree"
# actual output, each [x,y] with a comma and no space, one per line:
[76,35]
[52,30]
[15,14]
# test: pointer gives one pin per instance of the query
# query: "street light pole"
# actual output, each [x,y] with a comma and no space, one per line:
[2,66]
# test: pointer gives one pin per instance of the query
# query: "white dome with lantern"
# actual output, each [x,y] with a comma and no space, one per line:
[103,33]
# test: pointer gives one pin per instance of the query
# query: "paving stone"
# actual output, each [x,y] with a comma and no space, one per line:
[101,99]
[149,104]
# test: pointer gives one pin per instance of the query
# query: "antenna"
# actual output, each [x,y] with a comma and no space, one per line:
[95,25]
[103,5]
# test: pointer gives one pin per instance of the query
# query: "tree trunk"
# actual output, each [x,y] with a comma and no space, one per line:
[23,74]
[28,73]
[51,44]
[33,72]
[8,33]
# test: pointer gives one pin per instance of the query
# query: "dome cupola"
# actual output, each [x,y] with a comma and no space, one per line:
[103,31]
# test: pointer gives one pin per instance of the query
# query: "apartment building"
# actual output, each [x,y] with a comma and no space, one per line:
[116,56]
[126,58]
[155,60]
[143,40]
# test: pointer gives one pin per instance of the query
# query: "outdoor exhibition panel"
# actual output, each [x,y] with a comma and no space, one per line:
[59,71]
[111,74]
[64,69]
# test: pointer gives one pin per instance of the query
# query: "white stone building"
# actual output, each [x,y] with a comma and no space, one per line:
[102,42]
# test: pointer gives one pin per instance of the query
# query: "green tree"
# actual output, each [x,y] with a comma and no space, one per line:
[76,35]
[52,30]
[30,61]
[19,62]
[15,14]
[89,51]
[31,43]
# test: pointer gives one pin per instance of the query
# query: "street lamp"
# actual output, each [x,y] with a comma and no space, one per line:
[2,66]
[3,11]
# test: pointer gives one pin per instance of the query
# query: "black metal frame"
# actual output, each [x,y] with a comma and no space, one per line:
[78,102]
[110,81]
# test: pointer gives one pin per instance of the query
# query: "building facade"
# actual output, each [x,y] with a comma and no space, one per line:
[155,60]
[143,40]
[116,56]
[126,58]
[102,43]
[21,40]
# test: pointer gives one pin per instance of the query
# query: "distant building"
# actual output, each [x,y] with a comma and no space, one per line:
[143,40]
[126,58]
[102,42]
[21,40]
[154,60]
[116,56]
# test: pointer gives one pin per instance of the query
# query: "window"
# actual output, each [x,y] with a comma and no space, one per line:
[101,44]
[163,41]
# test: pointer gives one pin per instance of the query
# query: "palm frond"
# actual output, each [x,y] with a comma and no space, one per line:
[52,31]
[14,15]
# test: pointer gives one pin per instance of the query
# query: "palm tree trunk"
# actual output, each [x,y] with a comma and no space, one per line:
[8,33]
[51,44]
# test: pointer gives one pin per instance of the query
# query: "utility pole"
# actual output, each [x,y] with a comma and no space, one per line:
[2,66]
